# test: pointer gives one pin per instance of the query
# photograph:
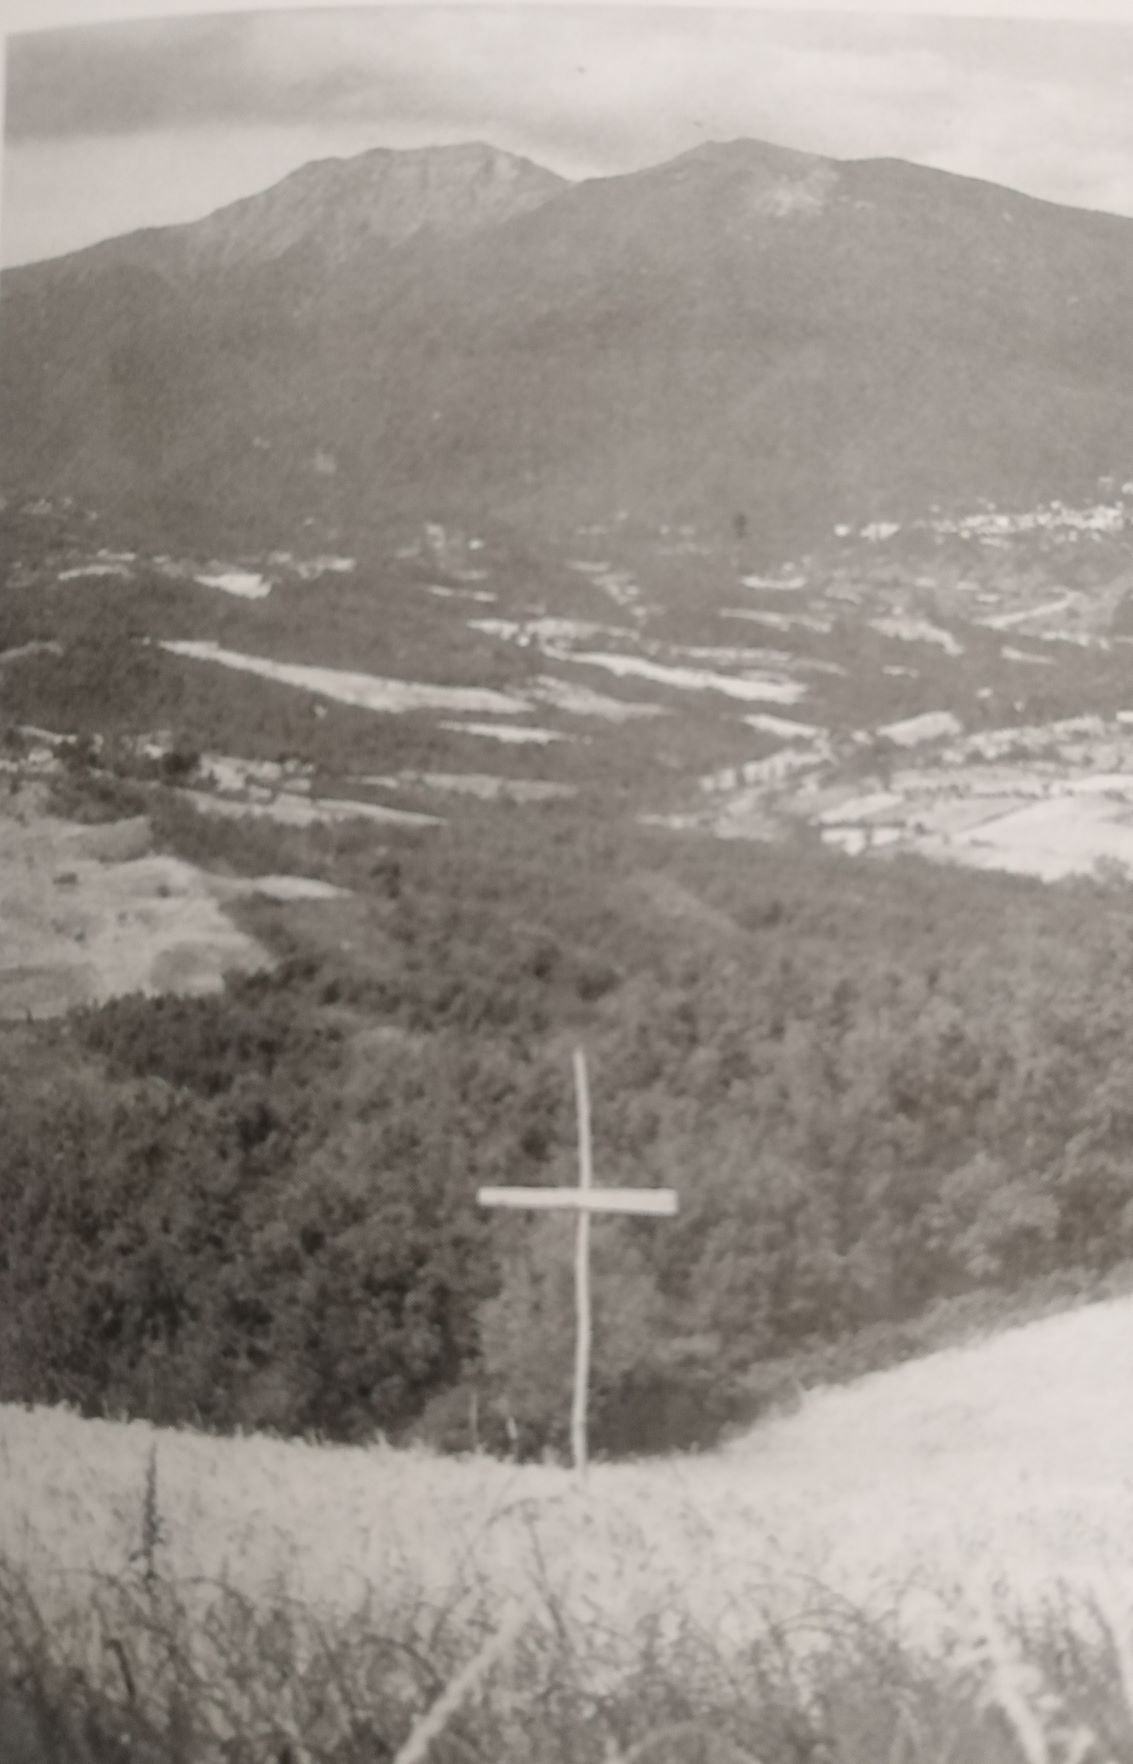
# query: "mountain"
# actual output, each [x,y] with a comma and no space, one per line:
[333,210]
[744,329]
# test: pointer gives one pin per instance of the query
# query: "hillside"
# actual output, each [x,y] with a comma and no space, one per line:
[1004,1461]
[742,331]
[879,1088]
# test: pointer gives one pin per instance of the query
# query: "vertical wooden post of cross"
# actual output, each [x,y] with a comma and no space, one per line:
[584,1200]
[583,1324]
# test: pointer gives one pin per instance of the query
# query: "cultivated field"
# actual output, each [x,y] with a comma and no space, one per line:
[90,912]
[1050,801]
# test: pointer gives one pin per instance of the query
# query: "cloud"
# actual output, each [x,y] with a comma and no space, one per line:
[122,79]
[626,68]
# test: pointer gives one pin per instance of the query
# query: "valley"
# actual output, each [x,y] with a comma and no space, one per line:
[961,688]
[451,615]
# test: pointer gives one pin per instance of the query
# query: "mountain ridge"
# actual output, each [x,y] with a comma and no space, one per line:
[263,224]
[743,328]
[768,154]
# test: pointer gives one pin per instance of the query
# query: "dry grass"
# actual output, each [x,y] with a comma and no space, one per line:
[154,1670]
[931,1564]
[1016,1450]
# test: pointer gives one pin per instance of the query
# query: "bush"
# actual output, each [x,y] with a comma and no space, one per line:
[92,797]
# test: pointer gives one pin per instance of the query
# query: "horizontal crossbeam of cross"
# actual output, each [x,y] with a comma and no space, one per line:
[657,1202]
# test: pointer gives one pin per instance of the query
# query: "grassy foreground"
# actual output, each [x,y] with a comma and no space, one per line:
[933,1564]
[144,1668]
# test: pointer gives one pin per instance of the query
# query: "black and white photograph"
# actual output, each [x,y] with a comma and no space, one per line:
[566,885]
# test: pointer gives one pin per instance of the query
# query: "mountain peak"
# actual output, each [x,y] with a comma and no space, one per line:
[746,154]
[456,159]
[765,179]
[383,195]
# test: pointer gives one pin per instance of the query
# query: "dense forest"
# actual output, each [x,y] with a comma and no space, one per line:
[876,1086]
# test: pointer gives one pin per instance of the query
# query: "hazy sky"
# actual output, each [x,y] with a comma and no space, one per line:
[109,127]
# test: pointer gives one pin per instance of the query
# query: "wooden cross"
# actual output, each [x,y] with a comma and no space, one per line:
[583,1200]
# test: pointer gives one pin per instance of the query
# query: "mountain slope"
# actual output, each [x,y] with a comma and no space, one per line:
[333,208]
[741,329]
